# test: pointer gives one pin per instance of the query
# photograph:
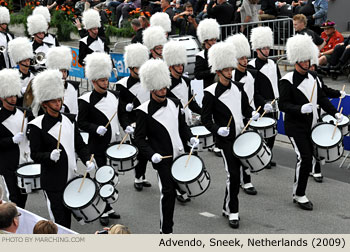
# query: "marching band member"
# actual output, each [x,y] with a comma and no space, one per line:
[92,42]
[61,58]
[14,145]
[161,130]
[49,38]
[154,38]
[161,19]
[247,77]
[301,114]
[96,108]
[133,95]
[21,52]
[58,165]
[5,37]
[268,74]
[222,100]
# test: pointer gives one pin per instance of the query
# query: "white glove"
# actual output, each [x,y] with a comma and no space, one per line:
[223,131]
[306,108]
[55,155]
[156,158]
[183,111]
[194,142]
[342,94]
[129,107]
[339,117]
[129,130]
[256,115]
[90,165]
[18,137]
[268,107]
[101,130]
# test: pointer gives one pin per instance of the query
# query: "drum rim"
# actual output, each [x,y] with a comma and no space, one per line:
[186,154]
[103,183]
[254,153]
[104,198]
[27,176]
[264,127]
[339,125]
[201,136]
[121,159]
[331,146]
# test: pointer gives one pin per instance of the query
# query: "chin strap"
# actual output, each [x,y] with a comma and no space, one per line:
[305,69]
[242,65]
[183,69]
[230,80]
[132,69]
[159,96]
[13,105]
[263,54]
[57,111]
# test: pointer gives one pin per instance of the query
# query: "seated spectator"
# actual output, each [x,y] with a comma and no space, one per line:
[340,55]
[166,7]
[267,10]
[332,38]
[112,6]
[304,7]
[321,9]
[144,22]
[203,14]
[123,10]
[186,21]
[9,218]
[136,26]
[285,8]
[45,227]
[299,23]
[223,12]
[249,13]
[177,8]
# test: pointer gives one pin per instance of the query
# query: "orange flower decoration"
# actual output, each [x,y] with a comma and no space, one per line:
[68,12]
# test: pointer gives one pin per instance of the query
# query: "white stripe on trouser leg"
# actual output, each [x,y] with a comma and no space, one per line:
[160,202]
[6,189]
[49,207]
[241,175]
[297,169]
[227,209]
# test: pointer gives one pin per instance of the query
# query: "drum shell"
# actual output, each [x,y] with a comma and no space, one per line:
[267,131]
[114,180]
[122,164]
[344,128]
[205,141]
[28,183]
[112,198]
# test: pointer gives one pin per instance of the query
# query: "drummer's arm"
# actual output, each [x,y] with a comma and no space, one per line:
[141,134]
[80,147]
[324,102]
[207,113]
[184,130]
[6,143]
[83,118]
[259,100]
[201,69]
[246,108]
[123,115]
[285,101]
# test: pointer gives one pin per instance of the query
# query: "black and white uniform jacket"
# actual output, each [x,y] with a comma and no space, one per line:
[131,91]
[37,48]
[51,39]
[295,91]
[219,104]
[202,69]
[11,154]
[25,80]
[5,61]
[43,134]
[248,79]
[161,128]
[71,94]
[88,45]
[181,89]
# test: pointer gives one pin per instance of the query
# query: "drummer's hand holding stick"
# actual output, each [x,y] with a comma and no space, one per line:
[90,165]
[255,116]
[342,95]
[194,141]
[339,117]
[55,154]
[268,108]
[19,137]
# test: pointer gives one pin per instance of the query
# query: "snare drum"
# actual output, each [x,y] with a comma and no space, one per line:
[324,147]
[85,137]
[28,177]
[124,158]
[87,204]
[252,151]
[343,125]
[206,139]
[267,127]
[106,175]
[193,179]
[109,194]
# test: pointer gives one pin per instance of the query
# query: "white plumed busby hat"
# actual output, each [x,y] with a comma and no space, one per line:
[4,15]
[135,55]
[43,10]
[98,65]
[161,19]
[48,85]
[221,55]
[154,36]
[300,48]
[154,75]
[20,49]
[59,58]
[174,53]
[91,19]
[36,23]
[241,45]
[208,29]
[10,83]
[316,52]
[261,37]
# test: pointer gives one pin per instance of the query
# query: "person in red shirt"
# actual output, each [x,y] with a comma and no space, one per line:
[332,38]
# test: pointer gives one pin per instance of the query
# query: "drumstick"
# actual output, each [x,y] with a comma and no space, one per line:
[265,110]
[124,138]
[189,156]
[164,157]
[312,93]
[24,117]
[189,101]
[340,99]
[250,120]
[336,125]
[59,136]
[82,182]
[111,119]
[229,122]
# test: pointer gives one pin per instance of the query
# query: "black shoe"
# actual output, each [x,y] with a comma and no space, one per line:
[114,215]
[233,223]
[273,163]
[305,206]
[138,186]
[268,166]
[182,199]
[146,184]
[250,190]
[336,67]
[104,221]
[218,153]
[318,179]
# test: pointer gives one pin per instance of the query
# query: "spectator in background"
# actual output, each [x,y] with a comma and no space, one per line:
[249,13]
[166,7]
[321,9]
[112,6]
[203,14]
[186,21]
[268,10]
[341,55]
[45,227]
[177,8]
[123,10]
[119,229]
[136,26]
[144,22]
[9,218]
[223,12]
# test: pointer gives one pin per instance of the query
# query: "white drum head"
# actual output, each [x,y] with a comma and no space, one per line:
[85,137]
[125,151]
[322,135]
[104,174]
[247,143]
[328,118]
[263,122]
[200,130]
[106,191]
[184,174]
[75,199]
[29,170]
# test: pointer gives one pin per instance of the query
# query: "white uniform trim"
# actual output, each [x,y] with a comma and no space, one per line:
[181,92]
[71,99]
[298,165]
[96,46]
[248,87]
[270,71]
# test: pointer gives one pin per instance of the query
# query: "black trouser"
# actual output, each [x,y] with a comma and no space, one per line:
[303,148]
[245,175]
[340,54]
[140,168]
[15,193]
[61,213]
